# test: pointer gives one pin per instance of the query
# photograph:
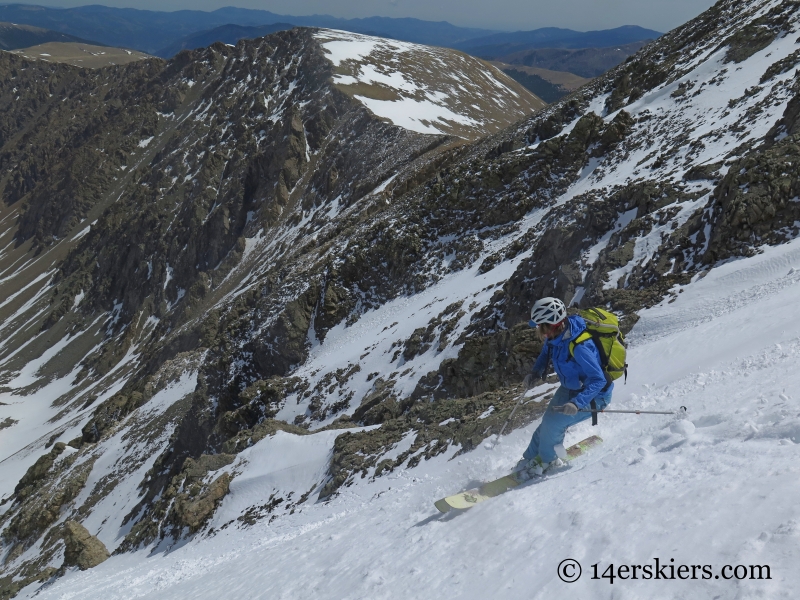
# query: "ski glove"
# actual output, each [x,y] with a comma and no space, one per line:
[569,409]
[530,380]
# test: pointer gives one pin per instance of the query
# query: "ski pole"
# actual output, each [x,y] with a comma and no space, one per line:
[508,420]
[682,409]
[518,404]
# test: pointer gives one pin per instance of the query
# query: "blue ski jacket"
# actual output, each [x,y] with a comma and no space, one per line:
[583,372]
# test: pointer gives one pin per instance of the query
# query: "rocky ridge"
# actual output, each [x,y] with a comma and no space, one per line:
[163,204]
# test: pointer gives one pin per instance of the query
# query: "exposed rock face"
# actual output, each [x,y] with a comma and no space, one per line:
[81,548]
[193,510]
[108,414]
[41,507]
[188,501]
[37,472]
[434,427]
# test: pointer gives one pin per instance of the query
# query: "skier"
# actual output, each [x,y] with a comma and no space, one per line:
[581,376]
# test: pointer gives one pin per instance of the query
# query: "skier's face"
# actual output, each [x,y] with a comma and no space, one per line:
[547,331]
[550,332]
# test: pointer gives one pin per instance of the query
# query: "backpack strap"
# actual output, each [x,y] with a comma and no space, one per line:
[578,340]
[587,335]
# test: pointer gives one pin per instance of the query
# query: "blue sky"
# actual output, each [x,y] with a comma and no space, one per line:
[583,15]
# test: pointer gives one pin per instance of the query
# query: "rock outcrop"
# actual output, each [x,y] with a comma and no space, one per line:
[81,548]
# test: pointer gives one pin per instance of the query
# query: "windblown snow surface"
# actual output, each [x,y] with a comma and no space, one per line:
[717,488]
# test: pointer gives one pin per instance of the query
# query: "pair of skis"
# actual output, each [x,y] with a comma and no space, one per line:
[470,498]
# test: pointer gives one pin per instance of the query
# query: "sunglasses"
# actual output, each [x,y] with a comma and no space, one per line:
[544,328]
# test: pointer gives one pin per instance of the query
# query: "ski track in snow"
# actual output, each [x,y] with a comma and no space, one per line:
[718,488]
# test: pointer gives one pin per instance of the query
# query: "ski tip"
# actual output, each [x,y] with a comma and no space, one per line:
[442,505]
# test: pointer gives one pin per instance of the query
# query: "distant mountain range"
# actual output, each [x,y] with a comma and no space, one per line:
[586,62]
[13,36]
[151,31]
[166,33]
[503,44]
[227,34]
[548,85]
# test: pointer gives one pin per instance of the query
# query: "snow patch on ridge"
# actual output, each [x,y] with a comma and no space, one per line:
[415,115]
[425,89]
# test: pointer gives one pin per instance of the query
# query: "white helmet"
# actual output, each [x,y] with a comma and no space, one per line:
[548,310]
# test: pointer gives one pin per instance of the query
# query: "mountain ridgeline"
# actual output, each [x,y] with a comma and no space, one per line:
[149,30]
[503,44]
[165,33]
[244,243]
[227,34]
[13,36]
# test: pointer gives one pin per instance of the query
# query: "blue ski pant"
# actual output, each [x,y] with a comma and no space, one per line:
[554,424]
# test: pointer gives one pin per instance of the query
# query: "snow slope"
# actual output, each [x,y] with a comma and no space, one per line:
[424,88]
[718,488]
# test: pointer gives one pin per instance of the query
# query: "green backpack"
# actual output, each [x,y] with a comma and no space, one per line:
[603,327]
